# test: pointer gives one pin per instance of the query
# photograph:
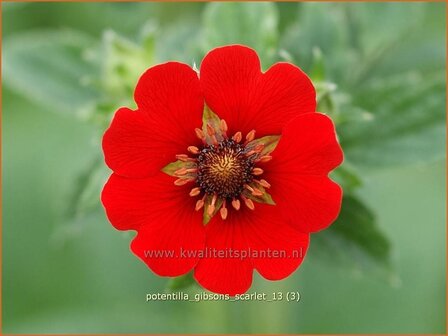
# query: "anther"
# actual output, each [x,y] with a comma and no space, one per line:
[181,171]
[248,202]
[253,191]
[250,136]
[257,171]
[210,130]
[200,134]
[237,137]
[199,204]
[182,181]
[193,150]
[223,126]
[184,158]
[195,191]
[264,158]
[236,204]
[264,183]
[223,211]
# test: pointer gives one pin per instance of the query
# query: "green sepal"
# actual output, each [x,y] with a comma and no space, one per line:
[266,198]
[207,202]
[211,118]
[269,142]
[172,167]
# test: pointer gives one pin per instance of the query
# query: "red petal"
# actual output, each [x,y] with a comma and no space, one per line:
[307,151]
[164,216]
[236,89]
[224,275]
[280,247]
[139,144]
[257,239]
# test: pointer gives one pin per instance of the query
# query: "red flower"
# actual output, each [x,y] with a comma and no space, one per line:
[260,162]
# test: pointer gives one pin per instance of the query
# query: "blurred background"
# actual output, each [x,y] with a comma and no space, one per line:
[379,69]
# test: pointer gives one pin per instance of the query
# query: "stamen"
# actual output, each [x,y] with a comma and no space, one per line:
[264,158]
[224,127]
[212,207]
[256,150]
[223,210]
[182,181]
[200,134]
[199,204]
[211,132]
[257,171]
[237,137]
[250,136]
[264,183]
[254,191]
[184,158]
[248,202]
[193,150]
[181,171]
[195,191]
[236,204]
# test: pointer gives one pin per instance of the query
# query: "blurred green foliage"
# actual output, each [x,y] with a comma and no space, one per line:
[379,71]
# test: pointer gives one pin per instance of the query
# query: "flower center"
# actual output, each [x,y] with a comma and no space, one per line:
[224,169]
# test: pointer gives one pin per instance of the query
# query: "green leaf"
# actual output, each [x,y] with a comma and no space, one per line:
[354,234]
[317,71]
[250,23]
[85,195]
[181,282]
[51,68]
[406,123]
[347,177]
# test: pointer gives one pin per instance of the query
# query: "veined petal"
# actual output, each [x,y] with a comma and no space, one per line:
[307,151]
[235,88]
[164,217]
[170,104]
